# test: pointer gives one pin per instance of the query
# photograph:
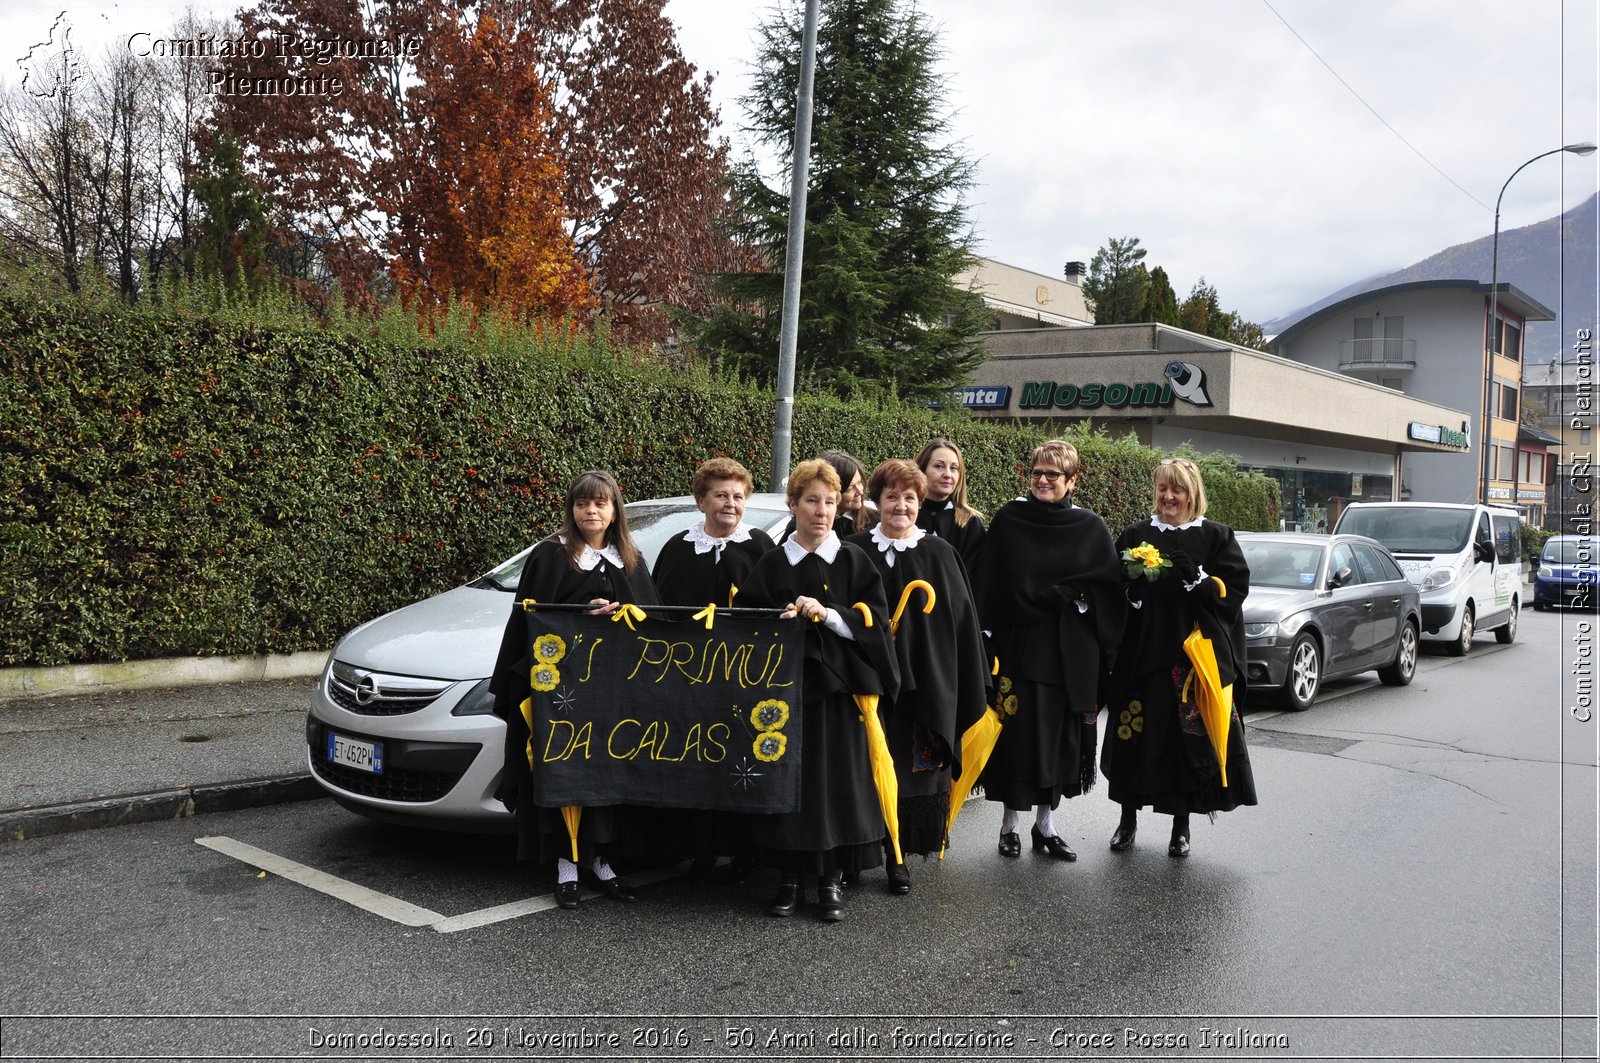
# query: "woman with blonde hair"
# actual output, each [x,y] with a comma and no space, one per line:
[1050,592]
[592,560]
[945,511]
[838,828]
[1157,752]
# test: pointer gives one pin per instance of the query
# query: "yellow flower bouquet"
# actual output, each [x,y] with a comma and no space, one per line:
[1144,562]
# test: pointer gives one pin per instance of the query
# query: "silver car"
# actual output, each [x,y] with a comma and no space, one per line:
[401,726]
[1324,606]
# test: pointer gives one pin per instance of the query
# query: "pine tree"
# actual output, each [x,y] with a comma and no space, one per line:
[1117,282]
[886,222]
[1160,302]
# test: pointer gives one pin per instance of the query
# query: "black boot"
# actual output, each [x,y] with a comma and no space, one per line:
[787,899]
[899,874]
[830,897]
[1179,846]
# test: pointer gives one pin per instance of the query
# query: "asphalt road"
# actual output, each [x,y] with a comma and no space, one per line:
[1418,882]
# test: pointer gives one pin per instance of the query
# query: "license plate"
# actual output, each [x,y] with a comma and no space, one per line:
[354,753]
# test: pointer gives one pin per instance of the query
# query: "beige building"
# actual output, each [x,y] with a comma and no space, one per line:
[1020,298]
[1326,437]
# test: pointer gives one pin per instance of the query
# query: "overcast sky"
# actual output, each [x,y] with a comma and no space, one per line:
[1205,127]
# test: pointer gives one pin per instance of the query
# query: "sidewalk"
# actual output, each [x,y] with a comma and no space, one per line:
[95,760]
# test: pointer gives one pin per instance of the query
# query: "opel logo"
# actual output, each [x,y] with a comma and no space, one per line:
[367,691]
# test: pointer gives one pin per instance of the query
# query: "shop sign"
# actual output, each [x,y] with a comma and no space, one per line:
[1181,380]
[986,397]
[1437,433]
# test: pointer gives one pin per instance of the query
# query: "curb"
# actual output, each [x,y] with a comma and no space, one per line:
[21,824]
[33,682]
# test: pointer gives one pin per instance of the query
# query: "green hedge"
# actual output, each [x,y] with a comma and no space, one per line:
[197,486]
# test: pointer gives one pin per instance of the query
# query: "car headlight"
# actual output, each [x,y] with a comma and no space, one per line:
[478,702]
[1439,577]
[1546,572]
[1259,631]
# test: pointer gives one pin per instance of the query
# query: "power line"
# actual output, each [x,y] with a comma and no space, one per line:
[1369,107]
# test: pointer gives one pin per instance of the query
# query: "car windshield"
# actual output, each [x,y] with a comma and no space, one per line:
[1282,564]
[1572,552]
[1411,531]
[651,524]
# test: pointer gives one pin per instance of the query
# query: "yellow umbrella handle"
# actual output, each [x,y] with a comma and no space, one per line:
[929,599]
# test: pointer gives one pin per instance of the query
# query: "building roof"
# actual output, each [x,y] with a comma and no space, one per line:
[1511,298]
[1530,434]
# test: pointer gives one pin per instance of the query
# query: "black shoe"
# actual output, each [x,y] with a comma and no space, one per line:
[830,899]
[567,894]
[899,879]
[787,900]
[1122,839]
[1011,844]
[1179,846]
[1053,845]
[617,888]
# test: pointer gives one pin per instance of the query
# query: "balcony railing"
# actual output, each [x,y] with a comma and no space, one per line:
[1378,354]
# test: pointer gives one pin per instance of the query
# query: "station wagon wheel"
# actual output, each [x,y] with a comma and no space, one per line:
[1404,667]
[1507,633]
[1300,686]
[1463,642]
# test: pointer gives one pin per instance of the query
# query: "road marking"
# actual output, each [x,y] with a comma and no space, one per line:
[393,908]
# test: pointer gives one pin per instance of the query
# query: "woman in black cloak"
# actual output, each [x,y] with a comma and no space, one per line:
[709,563]
[945,512]
[1050,592]
[943,672]
[839,826]
[591,560]
[1157,752]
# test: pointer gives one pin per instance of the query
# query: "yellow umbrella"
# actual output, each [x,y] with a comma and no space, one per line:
[976,745]
[1214,700]
[570,813]
[883,776]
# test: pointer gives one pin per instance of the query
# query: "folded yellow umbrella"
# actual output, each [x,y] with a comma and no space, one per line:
[976,745]
[1214,700]
[569,813]
[883,776]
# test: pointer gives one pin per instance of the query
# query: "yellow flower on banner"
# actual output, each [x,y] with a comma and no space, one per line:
[545,677]
[1005,684]
[549,648]
[770,715]
[769,746]
[1124,732]
[1010,704]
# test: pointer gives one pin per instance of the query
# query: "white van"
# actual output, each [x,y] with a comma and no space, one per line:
[1466,559]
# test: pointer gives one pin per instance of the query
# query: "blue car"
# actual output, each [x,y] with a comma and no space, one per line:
[1568,573]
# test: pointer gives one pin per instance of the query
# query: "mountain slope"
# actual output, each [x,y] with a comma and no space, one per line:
[1530,258]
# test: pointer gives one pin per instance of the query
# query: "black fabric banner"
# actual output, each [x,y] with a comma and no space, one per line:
[666,713]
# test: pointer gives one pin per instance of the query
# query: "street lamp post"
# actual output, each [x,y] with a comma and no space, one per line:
[1492,333]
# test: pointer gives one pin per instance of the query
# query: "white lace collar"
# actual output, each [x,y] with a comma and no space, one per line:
[704,544]
[890,547]
[828,549]
[1160,525]
[592,557]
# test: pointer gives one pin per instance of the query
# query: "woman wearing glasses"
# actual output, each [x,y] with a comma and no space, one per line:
[1049,592]
[1157,751]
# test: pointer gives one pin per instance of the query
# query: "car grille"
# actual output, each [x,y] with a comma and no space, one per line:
[369,693]
[392,785]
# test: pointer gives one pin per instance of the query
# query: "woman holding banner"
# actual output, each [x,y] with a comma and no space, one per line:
[833,588]
[1050,592]
[709,563]
[940,654]
[1183,571]
[592,560]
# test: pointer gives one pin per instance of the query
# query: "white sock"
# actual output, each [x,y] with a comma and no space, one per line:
[566,870]
[1008,821]
[1041,819]
[602,870]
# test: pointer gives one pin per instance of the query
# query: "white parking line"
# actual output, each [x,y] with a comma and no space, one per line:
[393,908]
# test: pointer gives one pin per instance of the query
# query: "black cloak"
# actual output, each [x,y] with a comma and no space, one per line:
[939,518]
[1050,593]
[944,673]
[839,826]
[549,576]
[684,577]
[1156,750]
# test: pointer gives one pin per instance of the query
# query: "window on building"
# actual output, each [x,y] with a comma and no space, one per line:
[1508,402]
[1504,463]
[1532,468]
[1394,331]
[1361,350]
[1393,383]
[1512,347]
[1583,436]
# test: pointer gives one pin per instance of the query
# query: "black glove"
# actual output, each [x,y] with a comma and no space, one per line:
[1135,589]
[1072,592]
[1182,566]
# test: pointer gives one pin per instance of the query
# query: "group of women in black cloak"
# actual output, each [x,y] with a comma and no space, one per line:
[915,605]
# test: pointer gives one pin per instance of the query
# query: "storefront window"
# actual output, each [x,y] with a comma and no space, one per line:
[1314,498]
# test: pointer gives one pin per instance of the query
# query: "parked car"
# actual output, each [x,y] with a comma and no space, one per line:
[1324,606]
[1464,557]
[401,726]
[1568,574]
